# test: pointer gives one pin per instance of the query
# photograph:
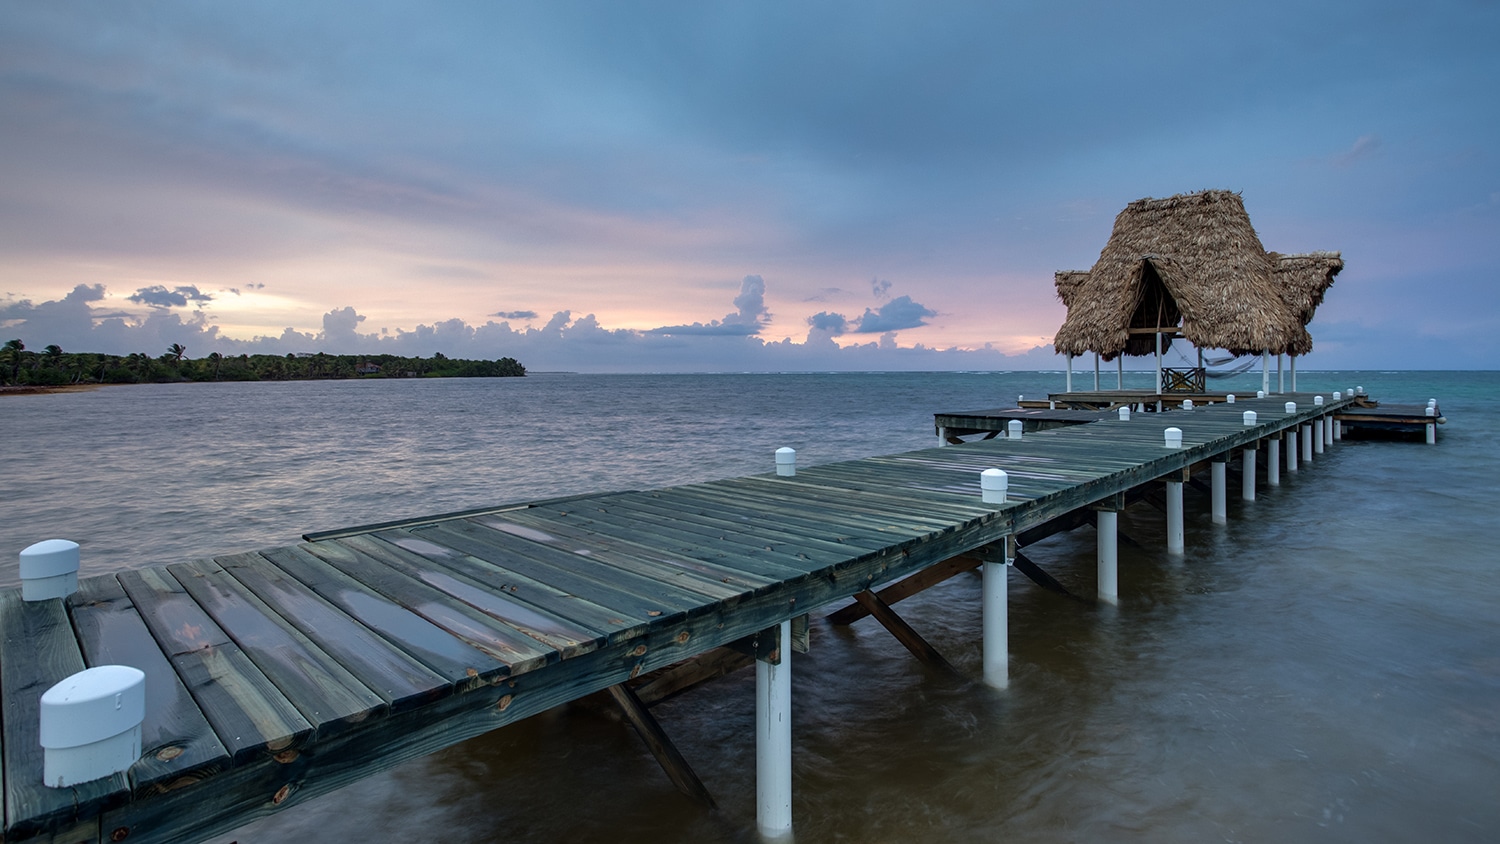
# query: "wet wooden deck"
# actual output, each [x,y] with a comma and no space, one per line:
[276,675]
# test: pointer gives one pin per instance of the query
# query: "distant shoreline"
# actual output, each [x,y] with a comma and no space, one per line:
[34,389]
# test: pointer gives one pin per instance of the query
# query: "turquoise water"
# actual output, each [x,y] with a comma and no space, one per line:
[1324,667]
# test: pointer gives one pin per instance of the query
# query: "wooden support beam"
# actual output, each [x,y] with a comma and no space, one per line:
[677,769]
[924,579]
[690,673]
[1025,566]
[904,632]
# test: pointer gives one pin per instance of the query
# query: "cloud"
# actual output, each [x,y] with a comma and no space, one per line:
[895,315]
[158,296]
[515,314]
[747,321]
[1364,147]
[829,323]
[881,289]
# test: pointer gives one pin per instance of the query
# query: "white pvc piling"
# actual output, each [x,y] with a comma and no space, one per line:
[773,743]
[1247,473]
[1273,461]
[1172,437]
[1360,390]
[1015,428]
[1338,395]
[1125,414]
[1432,425]
[1307,445]
[1328,425]
[942,436]
[1107,544]
[1070,374]
[90,724]
[49,569]
[1218,485]
[996,622]
[992,486]
[1317,431]
[786,462]
[1175,542]
[1291,449]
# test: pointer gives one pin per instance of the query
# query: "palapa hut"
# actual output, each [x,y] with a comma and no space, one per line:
[1191,265]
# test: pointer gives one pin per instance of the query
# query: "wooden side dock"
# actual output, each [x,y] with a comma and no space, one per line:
[276,675]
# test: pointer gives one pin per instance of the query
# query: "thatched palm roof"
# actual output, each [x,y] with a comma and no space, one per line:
[1194,259]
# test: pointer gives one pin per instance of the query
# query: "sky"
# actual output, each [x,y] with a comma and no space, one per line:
[767,186]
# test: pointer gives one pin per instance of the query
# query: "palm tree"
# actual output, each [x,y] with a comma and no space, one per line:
[176,351]
[218,360]
[14,349]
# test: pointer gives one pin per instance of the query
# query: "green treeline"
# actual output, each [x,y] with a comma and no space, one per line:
[54,367]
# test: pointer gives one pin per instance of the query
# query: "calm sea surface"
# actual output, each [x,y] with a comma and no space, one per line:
[1326,667]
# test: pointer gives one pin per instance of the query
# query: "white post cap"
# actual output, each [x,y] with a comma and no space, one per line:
[992,486]
[1260,394]
[1229,398]
[1187,404]
[1431,411]
[1318,401]
[1125,414]
[1249,417]
[1291,407]
[1020,399]
[90,724]
[1015,428]
[1337,396]
[786,461]
[1360,390]
[1173,437]
[1432,402]
[49,569]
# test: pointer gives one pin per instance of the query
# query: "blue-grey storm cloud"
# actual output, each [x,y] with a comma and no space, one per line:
[747,321]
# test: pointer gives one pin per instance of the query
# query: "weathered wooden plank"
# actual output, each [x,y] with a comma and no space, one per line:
[560,621]
[688,674]
[589,544]
[327,694]
[40,651]
[589,587]
[178,747]
[757,509]
[451,658]
[716,520]
[514,649]
[247,711]
[400,679]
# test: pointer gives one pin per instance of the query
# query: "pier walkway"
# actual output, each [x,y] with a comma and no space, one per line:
[280,674]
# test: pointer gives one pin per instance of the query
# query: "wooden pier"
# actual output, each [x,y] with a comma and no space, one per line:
[280,674]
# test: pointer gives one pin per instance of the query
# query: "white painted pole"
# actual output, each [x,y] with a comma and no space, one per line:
[1317,432]
[1265,372]
[1107,543]
[1247,474]
[1175,541]
[1120,371]
[1158,363]
[90,724]
[1070,373]
[1280,377]
[942,436]
[1292,364]
[1307,448]
[1273,461]
[773,743]
[1015,428]
[1096,372]
[786,462]
[1291,449]
[996,623]
[49,569]
[1432,426]
[1218,484]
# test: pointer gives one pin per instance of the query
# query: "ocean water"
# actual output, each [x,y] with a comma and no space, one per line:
[1326,667]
